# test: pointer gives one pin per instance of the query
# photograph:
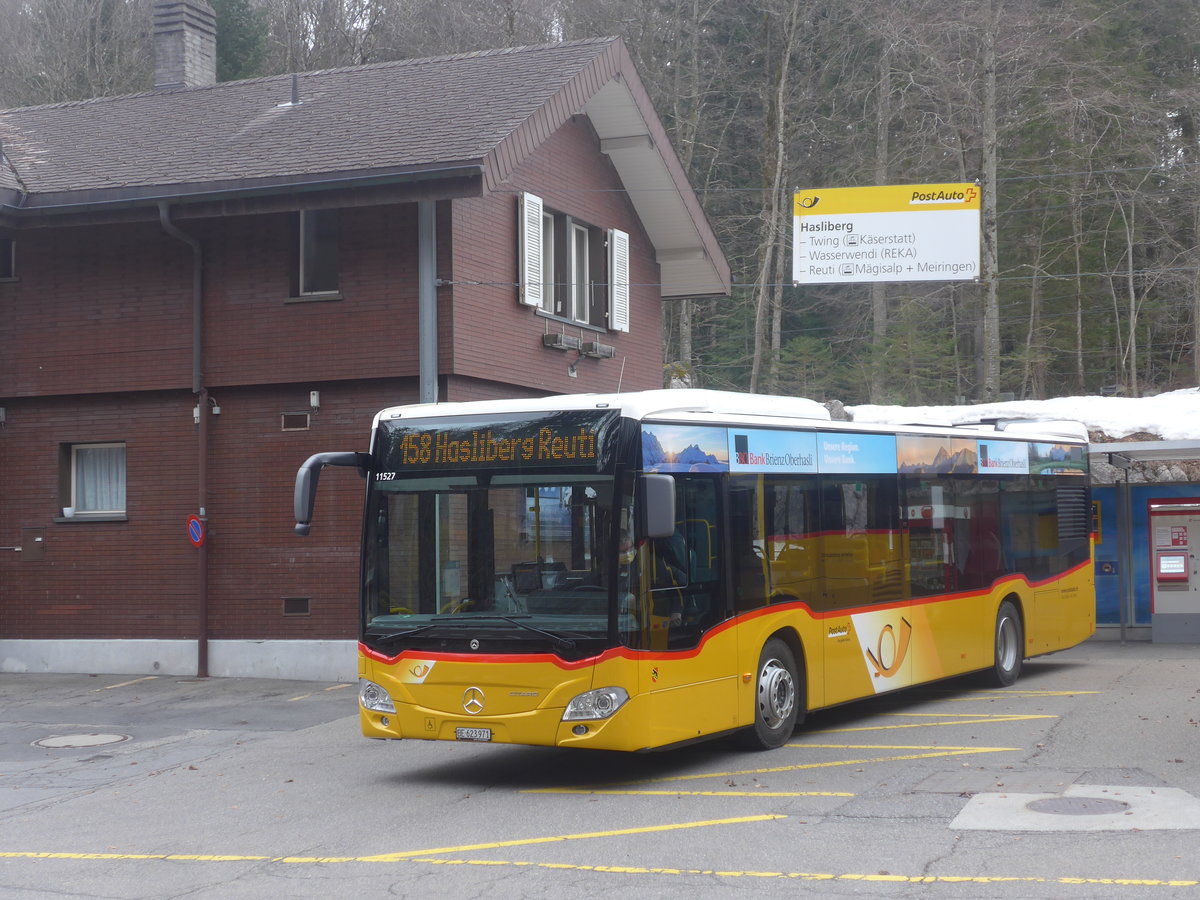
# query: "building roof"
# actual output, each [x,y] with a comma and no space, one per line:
[474,116]
[1148,451]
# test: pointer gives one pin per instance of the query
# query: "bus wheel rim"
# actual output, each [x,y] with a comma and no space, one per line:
[776,693]
[1007,650]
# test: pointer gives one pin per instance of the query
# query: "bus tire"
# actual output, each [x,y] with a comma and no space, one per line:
[1009,644]
[778,694]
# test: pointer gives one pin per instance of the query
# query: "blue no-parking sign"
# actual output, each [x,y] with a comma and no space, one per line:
[196,531]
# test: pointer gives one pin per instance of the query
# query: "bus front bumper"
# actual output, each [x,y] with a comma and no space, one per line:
[539,727]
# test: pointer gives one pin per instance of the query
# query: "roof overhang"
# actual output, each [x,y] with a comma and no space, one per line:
[237,197]
[689,260]
[1147,451]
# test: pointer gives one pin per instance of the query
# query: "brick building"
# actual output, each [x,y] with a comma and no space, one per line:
[205,283]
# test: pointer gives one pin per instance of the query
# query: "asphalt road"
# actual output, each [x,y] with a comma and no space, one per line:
[1081,781]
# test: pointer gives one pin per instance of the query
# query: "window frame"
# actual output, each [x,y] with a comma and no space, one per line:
[572,270]
[8,259]
[547,262]
[318,245]
[73,490]
[578,285]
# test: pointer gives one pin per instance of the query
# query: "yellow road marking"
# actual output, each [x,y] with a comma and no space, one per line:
[899,747]
[334,687]
[389,857]
[185,857]
[934,752]
[1006,694]
[113,687]
[977,718]
[635,793]
[1063,880]
[494,845]
[1030,695]
[1002,693]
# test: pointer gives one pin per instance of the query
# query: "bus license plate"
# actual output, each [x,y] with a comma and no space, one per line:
[473,734]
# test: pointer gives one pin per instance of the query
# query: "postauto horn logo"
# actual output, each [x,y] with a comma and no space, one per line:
[891,649]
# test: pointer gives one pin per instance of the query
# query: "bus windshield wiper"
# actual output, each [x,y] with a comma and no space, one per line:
[562,643]
[557,640]
[396,635]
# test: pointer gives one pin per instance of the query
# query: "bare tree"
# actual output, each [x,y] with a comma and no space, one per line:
[57,50]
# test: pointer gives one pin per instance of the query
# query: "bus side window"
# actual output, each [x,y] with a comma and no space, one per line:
[792,544]
[861,547]
[980,554]
[748,553]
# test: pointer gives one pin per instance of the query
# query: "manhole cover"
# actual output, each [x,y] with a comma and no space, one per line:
[78,741]
[1077,806]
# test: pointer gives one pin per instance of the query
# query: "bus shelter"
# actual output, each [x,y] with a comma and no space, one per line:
[1148,543]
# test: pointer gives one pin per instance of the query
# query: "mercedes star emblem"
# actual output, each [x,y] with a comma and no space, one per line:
[473,701]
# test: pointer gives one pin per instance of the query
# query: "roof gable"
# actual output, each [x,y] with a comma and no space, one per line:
[405,120]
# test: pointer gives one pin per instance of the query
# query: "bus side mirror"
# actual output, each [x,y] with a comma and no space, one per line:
[305,495]
[656,503]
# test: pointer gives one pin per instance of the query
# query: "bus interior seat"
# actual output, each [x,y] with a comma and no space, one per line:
[526,577]
[553,574]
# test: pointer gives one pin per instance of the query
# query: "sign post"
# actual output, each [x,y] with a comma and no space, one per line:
[901,232]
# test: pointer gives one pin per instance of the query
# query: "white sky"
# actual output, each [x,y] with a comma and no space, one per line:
[1173,417]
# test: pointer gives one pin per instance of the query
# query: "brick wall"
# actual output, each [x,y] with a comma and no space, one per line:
[98,579]
[571,175]
[97,346]
[101,309]
[139,578]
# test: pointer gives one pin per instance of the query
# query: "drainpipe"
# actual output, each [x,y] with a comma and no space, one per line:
[201,395]
[427,325]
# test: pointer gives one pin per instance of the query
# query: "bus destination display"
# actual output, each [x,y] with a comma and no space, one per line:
[565,439]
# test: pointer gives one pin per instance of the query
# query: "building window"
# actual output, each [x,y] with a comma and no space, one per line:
[547,262]
[579,276]
[8,259]
[97,479]
[573,270]
[318,252]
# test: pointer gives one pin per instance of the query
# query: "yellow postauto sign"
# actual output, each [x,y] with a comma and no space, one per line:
[899,232]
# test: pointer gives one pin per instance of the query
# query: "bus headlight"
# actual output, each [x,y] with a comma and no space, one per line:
[374,698]
[597,704]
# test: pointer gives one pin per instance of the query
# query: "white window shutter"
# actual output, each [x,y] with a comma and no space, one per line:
[529,271]
[618,278]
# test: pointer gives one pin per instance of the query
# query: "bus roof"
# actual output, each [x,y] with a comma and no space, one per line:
[632,404]
[700,406]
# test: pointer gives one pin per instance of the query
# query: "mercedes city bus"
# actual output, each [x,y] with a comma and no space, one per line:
[641,570]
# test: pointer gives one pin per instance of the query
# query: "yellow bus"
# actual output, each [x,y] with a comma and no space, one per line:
[641,570]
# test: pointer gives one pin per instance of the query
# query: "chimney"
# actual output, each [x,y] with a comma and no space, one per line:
[185,44]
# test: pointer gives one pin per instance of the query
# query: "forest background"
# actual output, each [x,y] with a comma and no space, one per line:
[1078,118]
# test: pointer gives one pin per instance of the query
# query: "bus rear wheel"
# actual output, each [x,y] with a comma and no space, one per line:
[1010,645]
[778,697]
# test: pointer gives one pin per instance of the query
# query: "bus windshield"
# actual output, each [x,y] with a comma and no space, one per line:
[518,562]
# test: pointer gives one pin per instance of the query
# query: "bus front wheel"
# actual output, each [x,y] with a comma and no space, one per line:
[1010,645]
[778,697]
